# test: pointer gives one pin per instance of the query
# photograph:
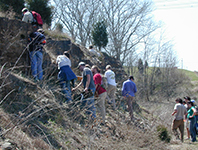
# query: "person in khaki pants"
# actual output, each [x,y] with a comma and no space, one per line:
[100,93]
[111,90]
[178,122]
[128,91]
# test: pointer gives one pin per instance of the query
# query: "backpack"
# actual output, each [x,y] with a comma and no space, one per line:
[37,18]
[104,83]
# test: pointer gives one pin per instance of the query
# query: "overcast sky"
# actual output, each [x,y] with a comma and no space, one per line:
[181,23]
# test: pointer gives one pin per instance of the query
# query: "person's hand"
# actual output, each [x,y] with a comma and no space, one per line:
[86,90]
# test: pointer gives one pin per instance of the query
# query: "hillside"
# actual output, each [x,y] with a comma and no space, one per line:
[192,75]
[33,115]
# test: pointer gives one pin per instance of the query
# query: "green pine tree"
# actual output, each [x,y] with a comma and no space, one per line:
[99,35]
[16,5]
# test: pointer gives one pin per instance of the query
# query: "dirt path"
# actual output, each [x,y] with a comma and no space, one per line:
[187,145]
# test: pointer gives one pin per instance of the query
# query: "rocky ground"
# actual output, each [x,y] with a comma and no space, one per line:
[34,115]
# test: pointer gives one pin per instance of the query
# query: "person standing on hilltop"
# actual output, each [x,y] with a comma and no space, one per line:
[36,43]
[65,74]
[88,83]
[101,92]
[128,91]
[178,122]
[27,16]
[111,90]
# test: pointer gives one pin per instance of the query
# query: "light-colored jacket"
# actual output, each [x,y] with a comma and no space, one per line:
[28,17]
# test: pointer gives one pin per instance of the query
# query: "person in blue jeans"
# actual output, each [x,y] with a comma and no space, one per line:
[65,74]
[88,84]
[191,116]
[36,43]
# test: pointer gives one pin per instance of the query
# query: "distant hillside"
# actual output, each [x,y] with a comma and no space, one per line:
[192,75]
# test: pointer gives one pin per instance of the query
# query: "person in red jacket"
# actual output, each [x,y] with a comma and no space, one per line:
[100,93]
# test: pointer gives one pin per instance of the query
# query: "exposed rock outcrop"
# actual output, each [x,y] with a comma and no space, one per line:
[13,51]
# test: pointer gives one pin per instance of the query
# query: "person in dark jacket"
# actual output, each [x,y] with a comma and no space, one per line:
[36,43]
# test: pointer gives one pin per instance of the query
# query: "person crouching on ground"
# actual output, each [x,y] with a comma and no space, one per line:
[178,122]
[100,92]
[65,74]
[88,84]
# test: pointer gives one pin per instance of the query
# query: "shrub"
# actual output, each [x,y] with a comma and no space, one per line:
[163,133]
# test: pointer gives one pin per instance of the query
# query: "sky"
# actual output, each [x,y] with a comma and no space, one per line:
[180,18]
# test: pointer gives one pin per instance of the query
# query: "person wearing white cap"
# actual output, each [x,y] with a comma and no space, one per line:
[88,84]
[27,16]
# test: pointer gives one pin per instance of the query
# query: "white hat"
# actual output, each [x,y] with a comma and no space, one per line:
[80,64]
[192,100]
[24,9]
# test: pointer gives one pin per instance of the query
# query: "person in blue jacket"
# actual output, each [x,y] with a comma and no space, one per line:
[128,91]
[65,74]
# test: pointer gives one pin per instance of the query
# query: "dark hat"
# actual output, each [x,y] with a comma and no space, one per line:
[190,103]
[187,97]
[81,64]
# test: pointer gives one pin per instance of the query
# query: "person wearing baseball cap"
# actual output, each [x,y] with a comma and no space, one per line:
[27,16]
[88,84]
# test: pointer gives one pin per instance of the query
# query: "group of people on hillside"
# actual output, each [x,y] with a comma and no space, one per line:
[36,41]
[92,81]
[91,76]
[185,111]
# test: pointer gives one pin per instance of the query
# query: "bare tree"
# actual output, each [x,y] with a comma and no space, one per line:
[128,23]
[78,16]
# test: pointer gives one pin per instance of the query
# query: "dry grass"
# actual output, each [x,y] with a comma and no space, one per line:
[46,124]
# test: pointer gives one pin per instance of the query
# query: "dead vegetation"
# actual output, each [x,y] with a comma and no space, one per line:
[34,116]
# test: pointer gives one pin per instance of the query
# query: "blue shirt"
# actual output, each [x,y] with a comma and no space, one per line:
[129,88]
[87,71]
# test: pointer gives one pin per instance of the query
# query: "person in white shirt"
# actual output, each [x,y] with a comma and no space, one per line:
[27,16]
[65,74]
[178,122]
[93,52]
[111,90]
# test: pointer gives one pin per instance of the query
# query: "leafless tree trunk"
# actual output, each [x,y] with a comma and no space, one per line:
[129,21]
[78,16]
